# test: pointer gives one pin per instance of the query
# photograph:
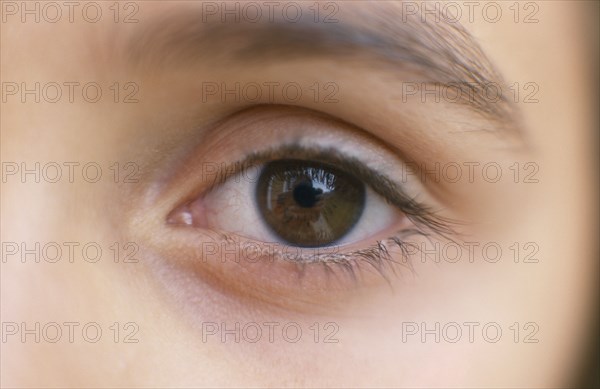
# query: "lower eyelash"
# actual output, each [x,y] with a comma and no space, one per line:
[378,256]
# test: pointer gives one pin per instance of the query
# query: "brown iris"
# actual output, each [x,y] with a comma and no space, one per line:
[309,204]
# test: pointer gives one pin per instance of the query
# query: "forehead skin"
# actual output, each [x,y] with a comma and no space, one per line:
[558,295]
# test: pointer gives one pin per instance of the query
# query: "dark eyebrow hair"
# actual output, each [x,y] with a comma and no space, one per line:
[443,53]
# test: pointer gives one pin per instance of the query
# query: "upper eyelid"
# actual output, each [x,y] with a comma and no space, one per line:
[303,126]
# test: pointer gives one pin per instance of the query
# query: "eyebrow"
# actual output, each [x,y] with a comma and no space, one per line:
[441,52]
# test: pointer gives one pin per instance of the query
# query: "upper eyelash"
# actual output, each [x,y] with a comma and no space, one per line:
[427,222]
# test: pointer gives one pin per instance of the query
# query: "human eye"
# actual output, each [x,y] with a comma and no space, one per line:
[290,198]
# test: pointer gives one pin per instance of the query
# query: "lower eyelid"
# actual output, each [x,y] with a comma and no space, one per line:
[223,261]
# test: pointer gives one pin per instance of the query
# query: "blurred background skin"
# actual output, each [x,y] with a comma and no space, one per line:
[560,214]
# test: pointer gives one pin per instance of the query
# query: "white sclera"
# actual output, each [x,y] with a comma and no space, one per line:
[232,207]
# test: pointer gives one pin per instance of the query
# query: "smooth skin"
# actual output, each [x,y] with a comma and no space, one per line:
[169,298]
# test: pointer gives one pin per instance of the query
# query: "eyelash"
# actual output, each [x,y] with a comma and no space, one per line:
[427,223]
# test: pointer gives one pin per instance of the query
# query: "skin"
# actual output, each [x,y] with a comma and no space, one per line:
[169,293]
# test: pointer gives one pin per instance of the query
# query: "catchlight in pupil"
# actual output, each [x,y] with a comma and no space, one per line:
[309,204]
[305,194]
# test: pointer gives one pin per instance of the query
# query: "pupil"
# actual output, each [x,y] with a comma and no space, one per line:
[305,195]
